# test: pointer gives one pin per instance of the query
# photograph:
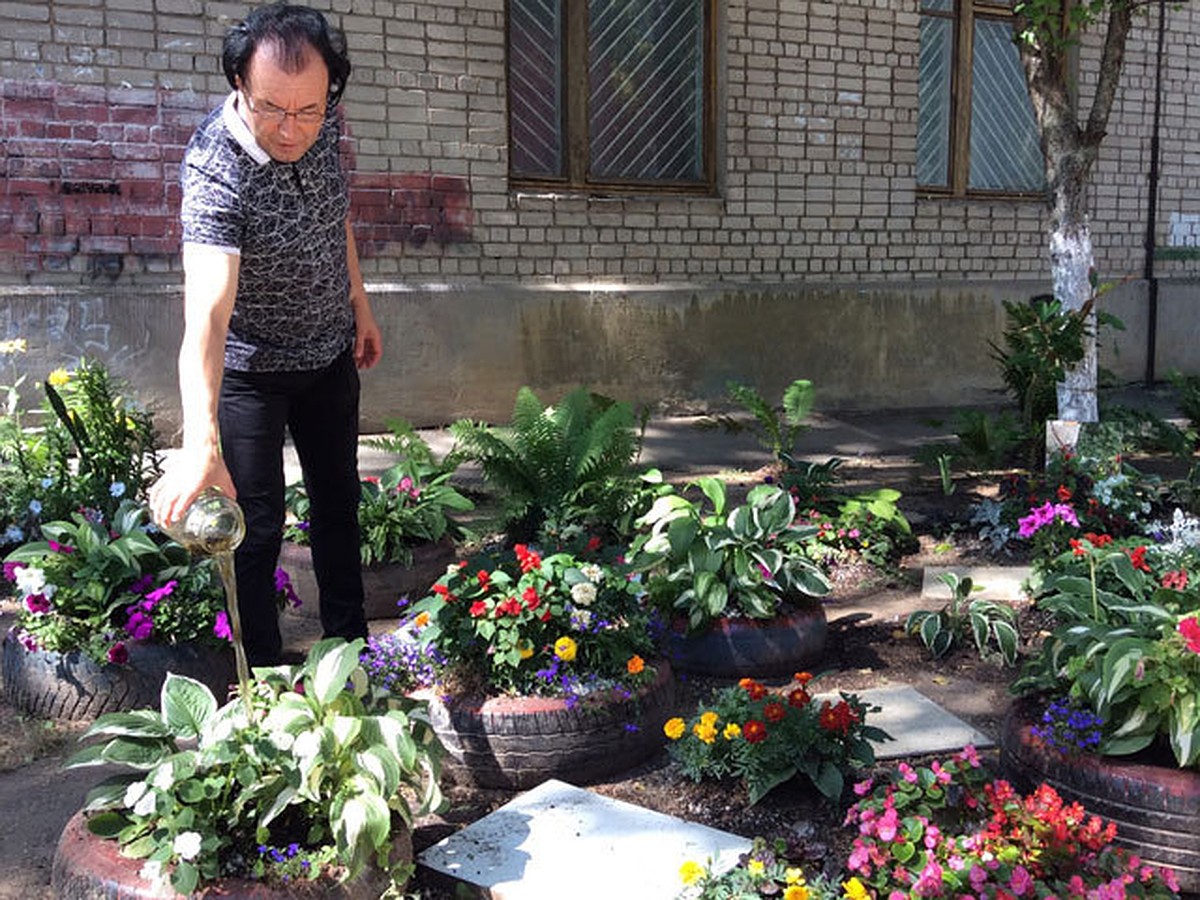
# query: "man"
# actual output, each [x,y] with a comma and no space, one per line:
[276,319]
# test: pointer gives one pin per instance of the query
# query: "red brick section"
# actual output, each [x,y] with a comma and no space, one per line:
[91,183]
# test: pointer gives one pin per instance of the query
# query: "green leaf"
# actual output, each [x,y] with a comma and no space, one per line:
[829,780]
[187,705]
[110,793]
[335,659]
[185,878]
[1119,666]
[136,723]
[942,642]
[1184,729]
[135,753]
[1007,640]
[106,824]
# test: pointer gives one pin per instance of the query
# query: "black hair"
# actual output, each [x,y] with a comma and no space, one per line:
[292,29]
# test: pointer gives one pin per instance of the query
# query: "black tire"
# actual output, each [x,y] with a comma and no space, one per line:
[71,686]
[1155,807]
[520,742]
[735,648]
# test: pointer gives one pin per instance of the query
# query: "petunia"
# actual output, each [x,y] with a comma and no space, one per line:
[37,604]
[221,626]
[118,654]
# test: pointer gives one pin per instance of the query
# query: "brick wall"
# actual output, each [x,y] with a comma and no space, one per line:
[817,151]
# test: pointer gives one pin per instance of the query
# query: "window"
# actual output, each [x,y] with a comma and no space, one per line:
[611,94]
[976,131]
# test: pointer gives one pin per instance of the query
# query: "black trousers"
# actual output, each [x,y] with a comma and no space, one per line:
[320,410]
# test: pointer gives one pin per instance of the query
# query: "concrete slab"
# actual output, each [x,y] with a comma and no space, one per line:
[997,582]
[920,727]
[543,841]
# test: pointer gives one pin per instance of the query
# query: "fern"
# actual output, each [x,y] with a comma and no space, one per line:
[551,461]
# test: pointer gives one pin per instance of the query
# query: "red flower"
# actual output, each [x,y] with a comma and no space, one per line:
[1137,556]
[509,606]
[755,690]
[593,544]
[1098,540]
[754,731]
[531,598]
[483,578]
[774,712]
[1077,547]
[478,608]
[444,592]
[799,698]
[837,718]
[117,654]
[1190,629]
[528,559]
[547,615]
[803,677]
[1064,493]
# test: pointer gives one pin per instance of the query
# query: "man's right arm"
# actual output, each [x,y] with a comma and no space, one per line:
[210,286]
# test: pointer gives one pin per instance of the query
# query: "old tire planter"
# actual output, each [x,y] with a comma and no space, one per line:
[520,742]
[72,686]
[87,867]
[1156,808]
[383,583]
[754,648]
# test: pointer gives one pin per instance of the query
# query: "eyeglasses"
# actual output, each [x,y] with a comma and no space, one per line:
[276,116]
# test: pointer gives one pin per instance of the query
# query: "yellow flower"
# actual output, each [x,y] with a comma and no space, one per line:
[16,345]
[59,377]
[421,620]
[709,719]
[706,733]
[732,731]
[564,649]
[691,872]
[793,875]
[674,728]
[755,867]
[854,889]
[795,892]
[525,649]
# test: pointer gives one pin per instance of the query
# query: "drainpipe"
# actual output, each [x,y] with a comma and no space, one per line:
[1152,207]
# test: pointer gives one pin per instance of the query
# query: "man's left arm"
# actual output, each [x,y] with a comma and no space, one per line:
[368,342]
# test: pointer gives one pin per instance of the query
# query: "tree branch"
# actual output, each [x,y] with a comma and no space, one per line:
[1120,21]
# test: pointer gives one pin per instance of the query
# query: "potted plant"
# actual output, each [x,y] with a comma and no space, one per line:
[738,582]
[544,667]
[106,607]
[1110,709]
[405,518]
[311,780]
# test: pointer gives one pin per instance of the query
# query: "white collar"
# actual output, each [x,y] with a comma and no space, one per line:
[241,131]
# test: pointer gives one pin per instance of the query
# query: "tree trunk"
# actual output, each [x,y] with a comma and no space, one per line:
[1071,265]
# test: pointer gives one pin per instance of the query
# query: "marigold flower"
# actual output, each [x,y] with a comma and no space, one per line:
[565,649]
[754,731]
[855,890]
[705,732]
[732,732]
[635,665]
[691,872]
[774,712]
[709,718]
[59,377]
[795,892]
[798,698]
[525,649]
[421,620]
[755,867]
[793,875]
[674,728]
[803,677]
[752,688]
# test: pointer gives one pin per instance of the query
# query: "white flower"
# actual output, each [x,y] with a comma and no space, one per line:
[31,580]
[146,805]
[592,572]
[584,593]
[153,872]
[164,778]
[187,844]
[134,793]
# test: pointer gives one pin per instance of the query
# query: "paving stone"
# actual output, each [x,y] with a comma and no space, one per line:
[919,726]
[997,582]
[559,841]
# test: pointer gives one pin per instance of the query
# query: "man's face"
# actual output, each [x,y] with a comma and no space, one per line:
[268,92]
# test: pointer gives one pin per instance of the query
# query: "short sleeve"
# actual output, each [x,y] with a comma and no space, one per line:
[211,211]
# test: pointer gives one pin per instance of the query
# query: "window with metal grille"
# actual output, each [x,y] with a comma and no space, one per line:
[976,132]
[611,94]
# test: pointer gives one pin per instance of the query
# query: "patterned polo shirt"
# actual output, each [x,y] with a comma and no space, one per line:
[287,223]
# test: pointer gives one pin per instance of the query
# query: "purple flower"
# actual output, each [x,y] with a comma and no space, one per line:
[11,569]
[163,592]
[283,585]
[221,627]
[140,625]
[141,585]
[1041,516]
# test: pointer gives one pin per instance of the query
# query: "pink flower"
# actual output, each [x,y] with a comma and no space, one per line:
[888,823]
[56,547]
[1021,881]
[11,569]
[221,627]
[117,654]
[864,787]
[37,604]
[1041,516]
[1190,629]
[162,593]
[907,772]
[140,625]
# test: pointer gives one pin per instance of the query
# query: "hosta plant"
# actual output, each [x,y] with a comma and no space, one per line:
[766,737]
[991,626]
[313,759]
[706,562]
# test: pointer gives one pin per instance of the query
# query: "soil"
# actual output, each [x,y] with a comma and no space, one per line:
[866,648]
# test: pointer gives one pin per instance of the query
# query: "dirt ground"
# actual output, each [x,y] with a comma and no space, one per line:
[866,648]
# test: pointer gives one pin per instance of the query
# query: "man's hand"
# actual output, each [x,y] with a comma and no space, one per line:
[187,474]
[368,341]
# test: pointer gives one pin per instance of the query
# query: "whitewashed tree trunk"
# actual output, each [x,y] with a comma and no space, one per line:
[1071,263]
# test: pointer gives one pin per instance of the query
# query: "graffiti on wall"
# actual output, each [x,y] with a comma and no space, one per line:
[91,183]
